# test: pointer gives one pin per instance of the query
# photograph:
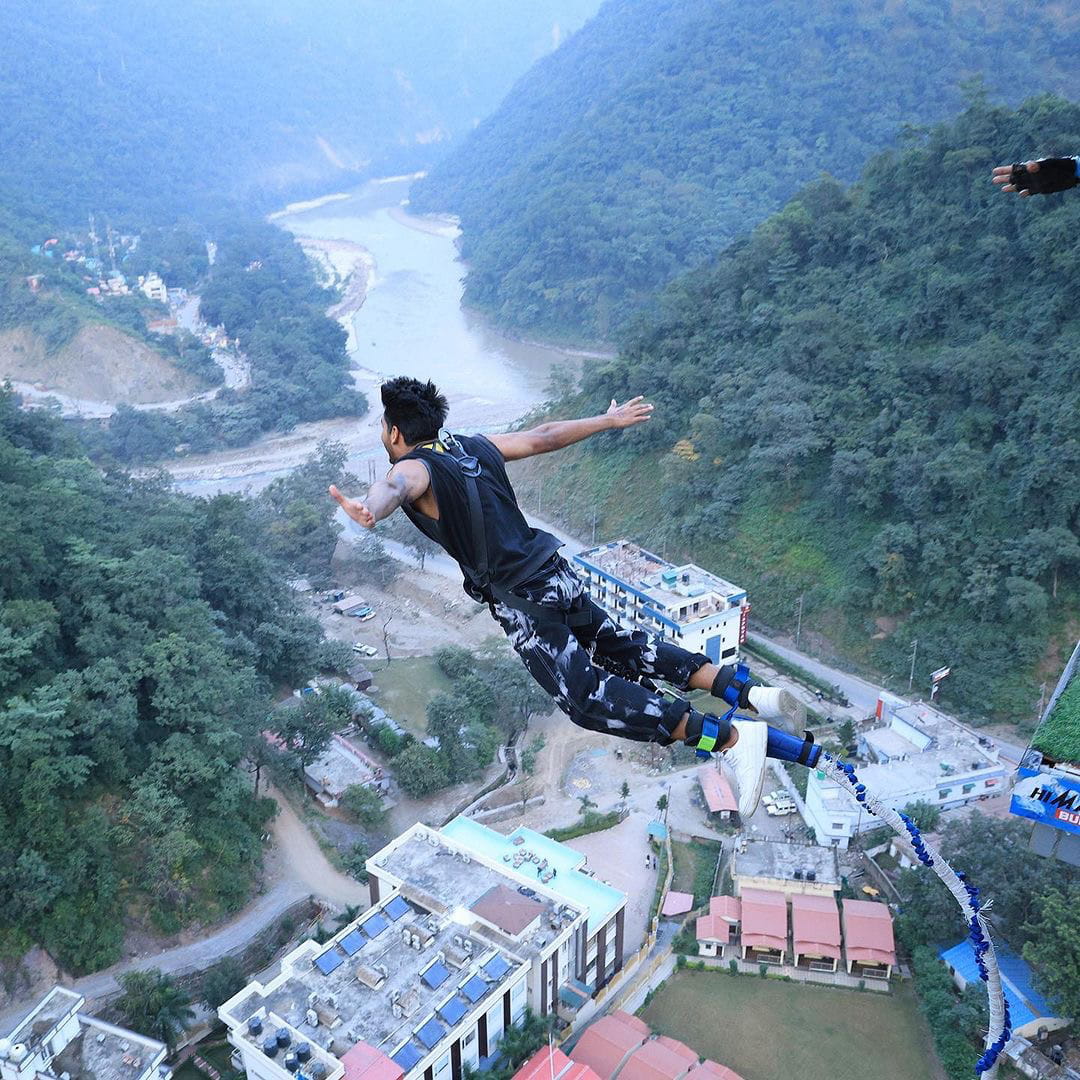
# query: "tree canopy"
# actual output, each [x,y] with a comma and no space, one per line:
[666,128]
[141,635]
[870,401]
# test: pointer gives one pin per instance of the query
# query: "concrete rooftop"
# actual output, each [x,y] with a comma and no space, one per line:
[774,859]
[103,1052]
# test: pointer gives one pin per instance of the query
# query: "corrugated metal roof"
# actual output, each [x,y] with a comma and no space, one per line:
[716,789]
[764,919]
[1025,1002]
[868,932]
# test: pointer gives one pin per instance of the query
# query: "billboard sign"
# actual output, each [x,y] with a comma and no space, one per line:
[1048,796]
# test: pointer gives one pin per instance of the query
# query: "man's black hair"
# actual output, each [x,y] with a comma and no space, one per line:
[415,408]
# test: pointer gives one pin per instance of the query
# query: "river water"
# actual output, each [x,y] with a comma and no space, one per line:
[411,322]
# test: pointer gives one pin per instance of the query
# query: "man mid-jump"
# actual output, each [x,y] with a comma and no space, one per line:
[456,491]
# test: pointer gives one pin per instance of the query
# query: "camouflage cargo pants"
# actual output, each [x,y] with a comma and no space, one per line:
[575,664]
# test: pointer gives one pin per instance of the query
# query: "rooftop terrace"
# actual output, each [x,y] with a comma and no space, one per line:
[569,884]
[369,984]
[774,859]
[103,1052]
[667,585]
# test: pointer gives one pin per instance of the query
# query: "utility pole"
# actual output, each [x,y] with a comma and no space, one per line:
[914,653]
[1042,702]
[798,619]
[594,528]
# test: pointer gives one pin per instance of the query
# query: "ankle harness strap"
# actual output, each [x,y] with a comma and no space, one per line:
[808,748]
[732,684]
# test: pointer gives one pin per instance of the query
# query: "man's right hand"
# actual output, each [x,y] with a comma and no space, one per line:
[354,508]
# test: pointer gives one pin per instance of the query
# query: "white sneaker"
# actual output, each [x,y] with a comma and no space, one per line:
[747,761]
[772,703]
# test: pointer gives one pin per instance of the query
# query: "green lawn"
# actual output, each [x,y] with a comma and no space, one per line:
[766,1029]
[406,687]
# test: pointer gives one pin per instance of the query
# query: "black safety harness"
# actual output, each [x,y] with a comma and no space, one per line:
[480,575]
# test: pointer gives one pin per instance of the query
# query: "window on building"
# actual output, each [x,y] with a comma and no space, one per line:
[966,788]
[992,782]
[837,825]
[729,652]
[944,793]
[470,1038]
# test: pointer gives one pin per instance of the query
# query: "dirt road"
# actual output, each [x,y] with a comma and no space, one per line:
[296,868]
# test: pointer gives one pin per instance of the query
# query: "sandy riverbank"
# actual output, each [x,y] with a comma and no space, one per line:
[433,224]
[348,266]
[307,204]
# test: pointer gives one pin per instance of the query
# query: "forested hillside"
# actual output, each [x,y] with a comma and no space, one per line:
[141,635]
[873,401]
[151,112]
[666,127]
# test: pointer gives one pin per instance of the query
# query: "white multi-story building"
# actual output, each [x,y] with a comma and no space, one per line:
[691,607]
[153,288]
[919,756]
[468,928]
[57,1040]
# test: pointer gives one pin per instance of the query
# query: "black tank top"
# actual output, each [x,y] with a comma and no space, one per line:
[515,550]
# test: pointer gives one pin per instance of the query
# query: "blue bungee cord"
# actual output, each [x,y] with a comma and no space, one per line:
[965,894]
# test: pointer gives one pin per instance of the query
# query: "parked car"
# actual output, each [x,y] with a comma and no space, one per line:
[365,650]
[781,809]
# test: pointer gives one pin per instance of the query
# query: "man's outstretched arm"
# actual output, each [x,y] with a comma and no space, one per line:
[559,433]
[406,481]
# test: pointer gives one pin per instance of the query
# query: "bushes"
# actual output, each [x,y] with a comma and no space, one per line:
[590,823]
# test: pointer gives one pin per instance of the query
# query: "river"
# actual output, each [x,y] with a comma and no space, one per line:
[407,320]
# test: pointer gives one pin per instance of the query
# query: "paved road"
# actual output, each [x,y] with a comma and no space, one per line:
[297,868]
[862,694]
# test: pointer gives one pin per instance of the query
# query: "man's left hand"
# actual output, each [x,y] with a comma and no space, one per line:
[634,411]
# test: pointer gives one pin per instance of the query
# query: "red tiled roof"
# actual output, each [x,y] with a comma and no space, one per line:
[710,1070]
[607,1042]
[815,925]
[764,919]
[679,1048]
[723,912]
[727,907]
[655,1061]
[363,1062]
[635,1023]
[545,1064]
[868,932]
[716,789]
[677,903]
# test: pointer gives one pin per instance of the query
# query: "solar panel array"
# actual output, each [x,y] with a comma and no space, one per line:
[374,926]
[496,967]
[408,1056]
[329,961]
[436,975]
[431,1034]
[352,942]
[453,1010]
[397,908]
[475,989]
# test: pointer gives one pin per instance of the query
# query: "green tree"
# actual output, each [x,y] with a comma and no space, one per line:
[222,981]
[420,771]
[925,815]
[354,861]
[365,804]
[454,661]
[152,1004]
[1053,948]
[845,732]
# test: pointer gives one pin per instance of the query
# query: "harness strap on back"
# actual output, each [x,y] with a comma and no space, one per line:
[481,573]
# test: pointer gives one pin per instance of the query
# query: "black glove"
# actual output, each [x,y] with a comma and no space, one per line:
[1054,174]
